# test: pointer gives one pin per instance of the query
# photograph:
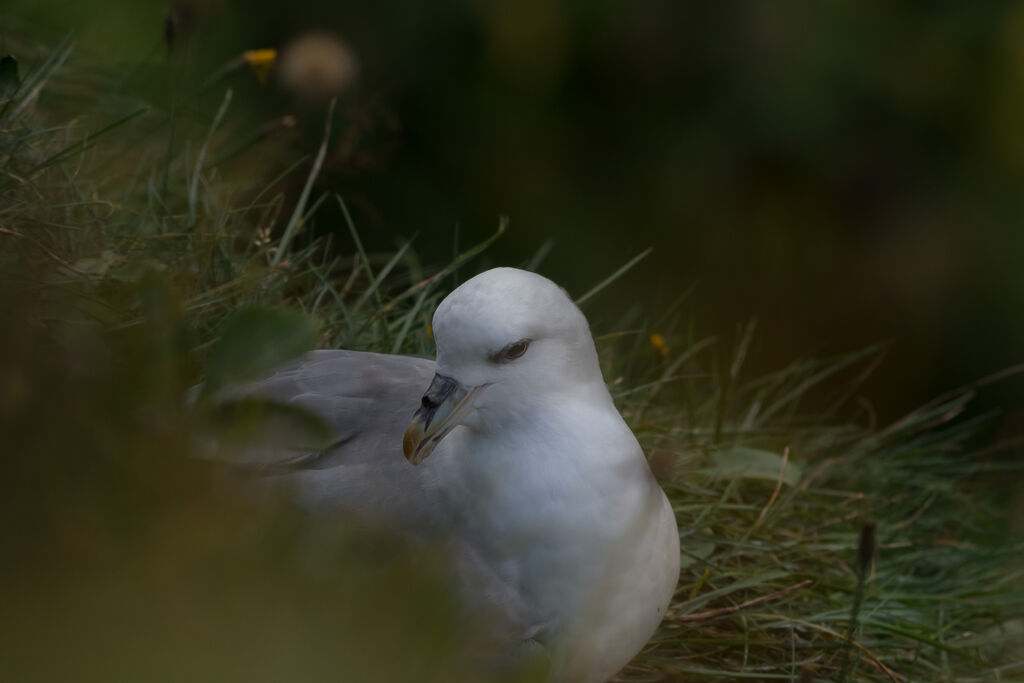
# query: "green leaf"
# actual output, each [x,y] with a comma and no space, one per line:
[256,340]
[98,265]
[751,463]
[286,424]
[137,270]
[695,549]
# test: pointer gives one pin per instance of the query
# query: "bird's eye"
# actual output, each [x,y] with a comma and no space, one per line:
[512,351]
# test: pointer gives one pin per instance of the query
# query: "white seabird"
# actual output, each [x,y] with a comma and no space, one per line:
[520,462]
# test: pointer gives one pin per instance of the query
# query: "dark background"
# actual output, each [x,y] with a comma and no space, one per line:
[848,172]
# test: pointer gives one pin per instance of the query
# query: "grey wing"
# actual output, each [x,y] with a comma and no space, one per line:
[367,399]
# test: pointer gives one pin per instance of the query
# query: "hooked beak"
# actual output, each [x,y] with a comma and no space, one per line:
[441,409]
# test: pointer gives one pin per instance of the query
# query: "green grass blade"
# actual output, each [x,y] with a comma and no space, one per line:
[295,222]
[615,276]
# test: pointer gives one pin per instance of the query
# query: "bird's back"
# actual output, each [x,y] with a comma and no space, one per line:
[365,399]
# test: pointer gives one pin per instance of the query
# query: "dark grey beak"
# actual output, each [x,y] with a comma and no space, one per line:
[440,409]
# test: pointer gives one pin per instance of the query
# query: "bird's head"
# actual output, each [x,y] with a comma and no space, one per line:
[505,340]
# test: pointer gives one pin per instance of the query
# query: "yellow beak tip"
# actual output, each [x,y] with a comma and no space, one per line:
[410,442]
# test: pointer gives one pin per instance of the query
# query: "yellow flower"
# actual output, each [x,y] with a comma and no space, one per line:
[658,344]
[261,62]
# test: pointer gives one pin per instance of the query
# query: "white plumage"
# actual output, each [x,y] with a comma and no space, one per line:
[527,471]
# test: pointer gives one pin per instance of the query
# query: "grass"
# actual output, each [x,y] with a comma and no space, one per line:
[817,545]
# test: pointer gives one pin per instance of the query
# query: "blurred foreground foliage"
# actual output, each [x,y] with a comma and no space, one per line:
[128,557]
[133,267]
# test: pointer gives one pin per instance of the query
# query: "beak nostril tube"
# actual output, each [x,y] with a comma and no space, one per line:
[441,408]
[438,391]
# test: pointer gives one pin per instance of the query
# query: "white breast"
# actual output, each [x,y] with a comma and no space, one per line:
[578,525]
[629,604]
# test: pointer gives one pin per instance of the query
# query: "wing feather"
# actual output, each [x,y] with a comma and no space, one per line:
[368,400]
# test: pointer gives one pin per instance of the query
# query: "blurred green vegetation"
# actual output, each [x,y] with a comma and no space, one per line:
[159,225]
